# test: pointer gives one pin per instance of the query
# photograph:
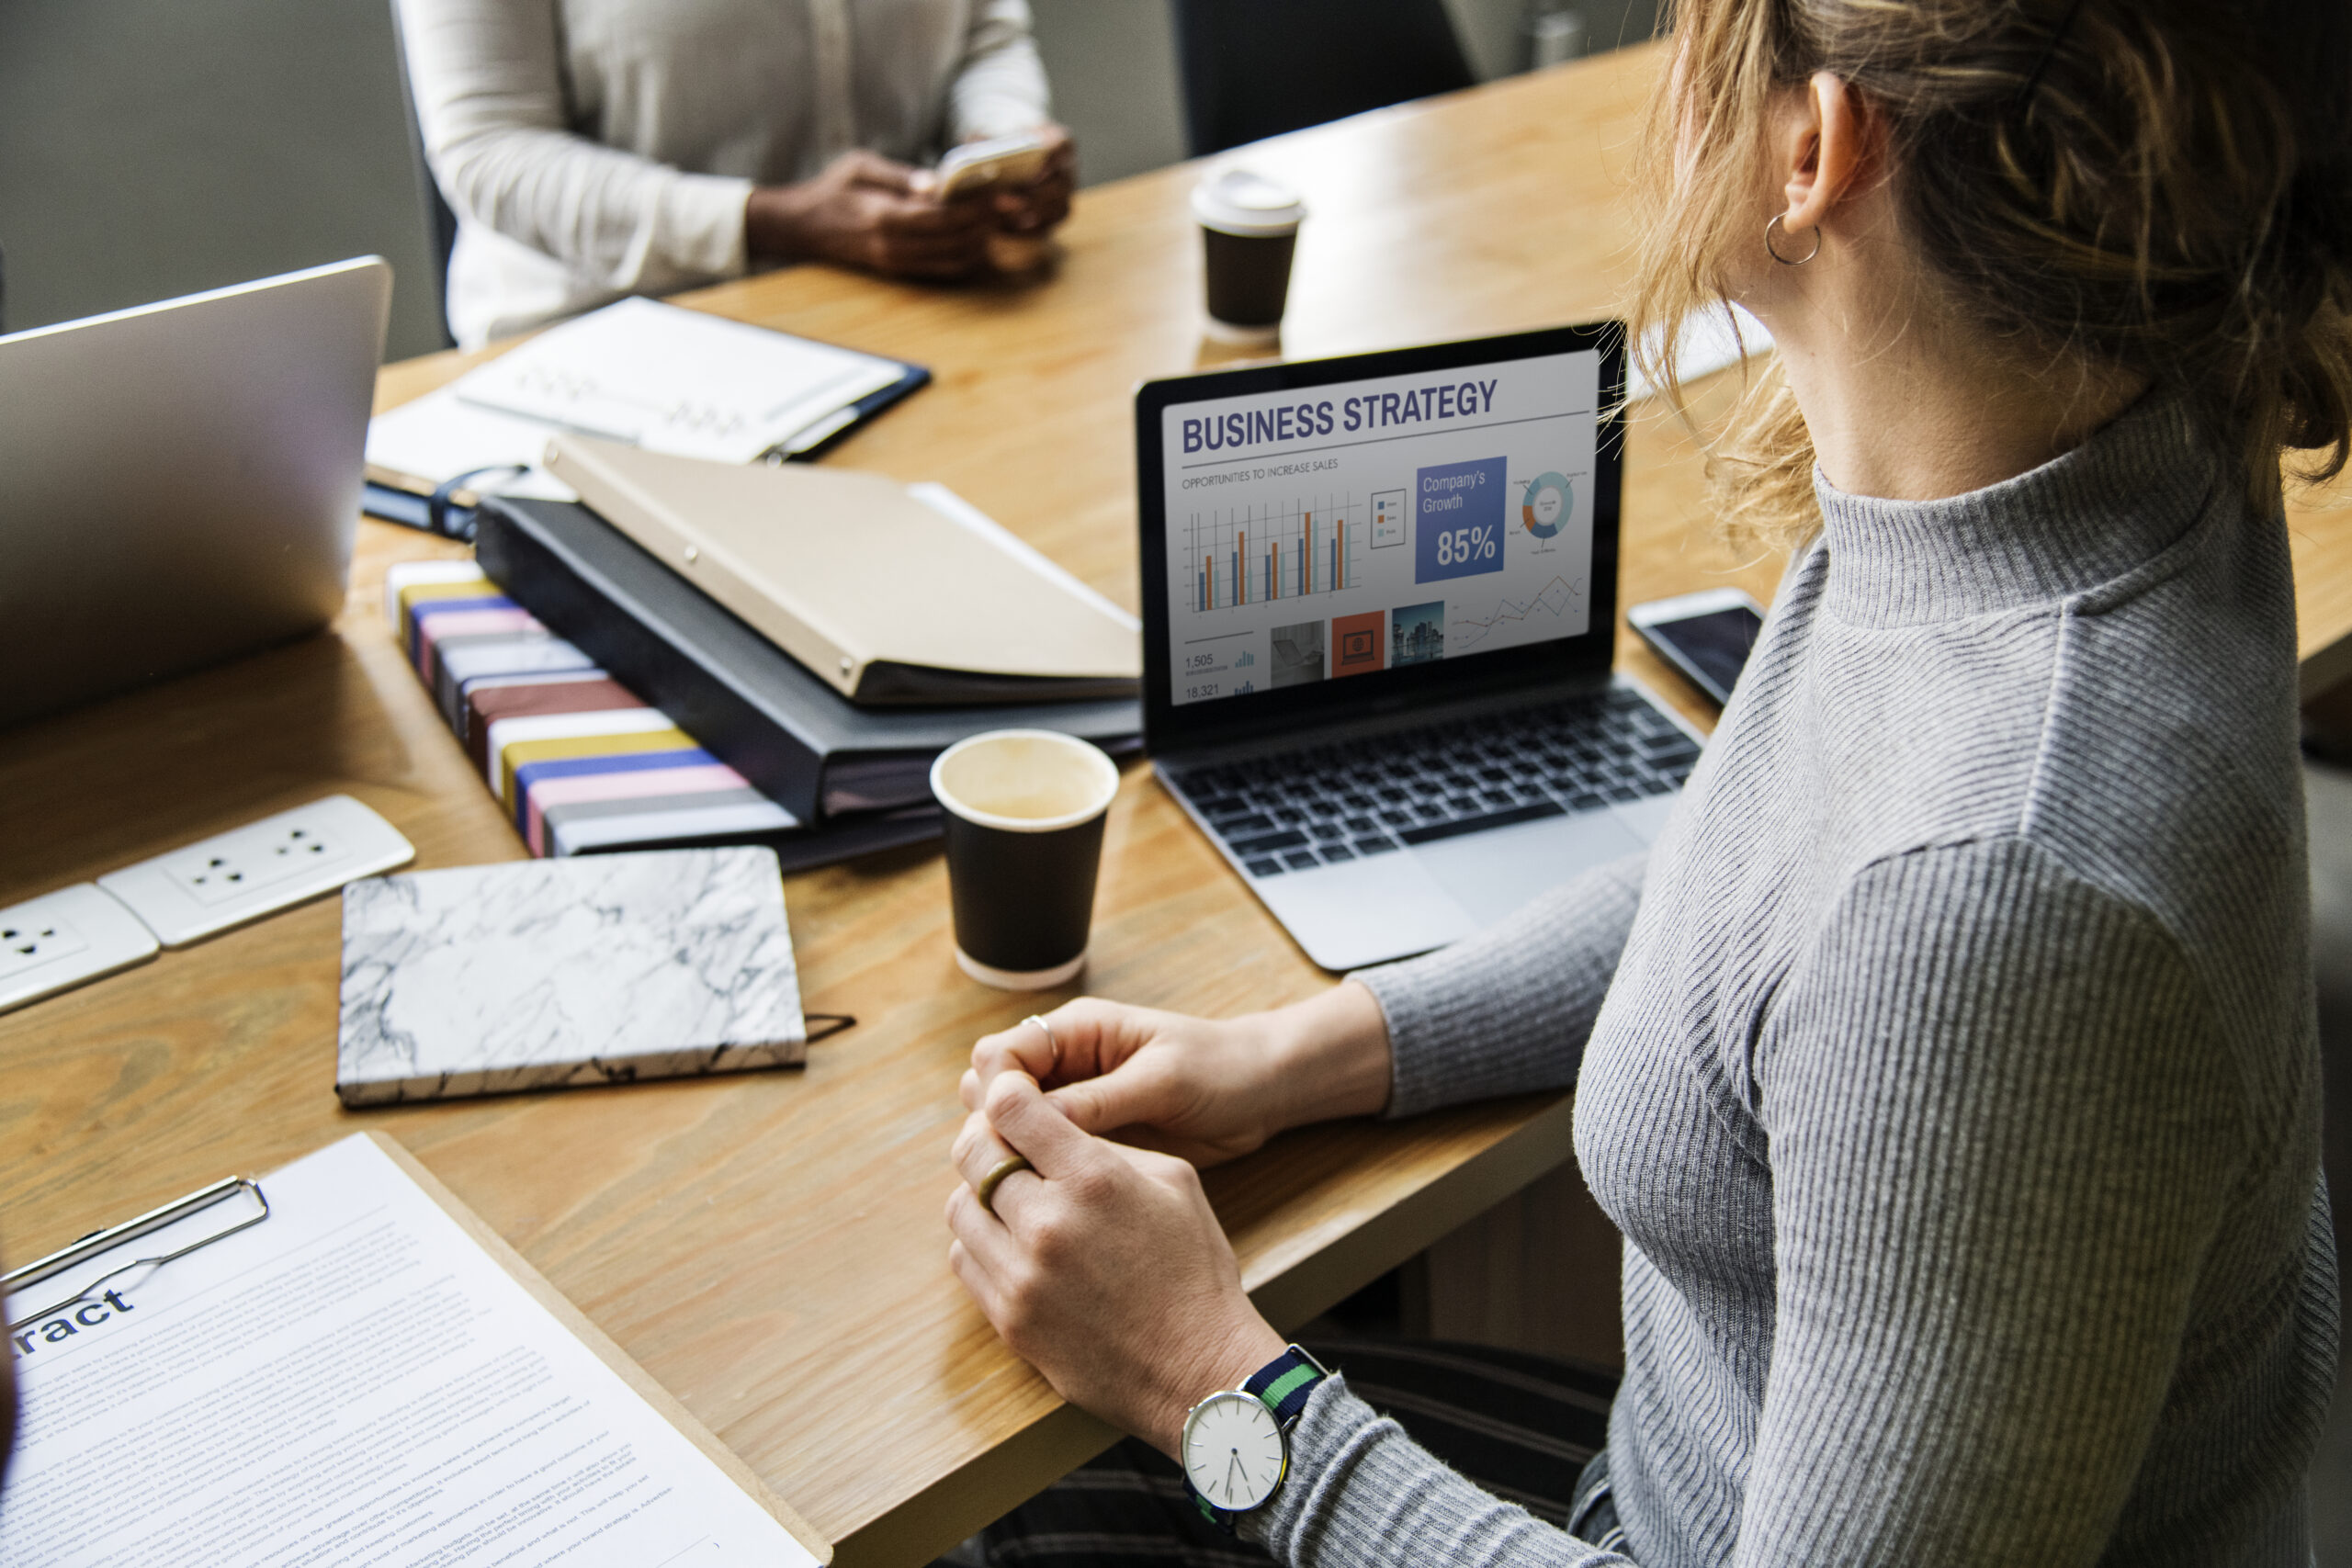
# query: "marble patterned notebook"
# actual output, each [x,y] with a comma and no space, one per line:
[592,970]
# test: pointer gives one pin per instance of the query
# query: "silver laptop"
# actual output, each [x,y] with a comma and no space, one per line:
[180,482]
[1379,612]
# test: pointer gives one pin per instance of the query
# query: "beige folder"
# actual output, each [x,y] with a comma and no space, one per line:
[886,598]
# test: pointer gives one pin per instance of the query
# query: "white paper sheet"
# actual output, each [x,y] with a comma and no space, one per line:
[963,514]
[674,380]
[352,1381]
[435,438]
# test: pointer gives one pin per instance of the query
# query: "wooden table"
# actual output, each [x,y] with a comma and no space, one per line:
[770,1247]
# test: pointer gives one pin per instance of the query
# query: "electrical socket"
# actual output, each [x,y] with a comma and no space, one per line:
[210,887]
[250,860]
[29,942]
[61,939]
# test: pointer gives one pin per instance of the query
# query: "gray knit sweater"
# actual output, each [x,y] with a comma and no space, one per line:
[1951,1071]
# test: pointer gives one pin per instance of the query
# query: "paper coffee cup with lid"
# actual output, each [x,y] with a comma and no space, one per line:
[1249,228]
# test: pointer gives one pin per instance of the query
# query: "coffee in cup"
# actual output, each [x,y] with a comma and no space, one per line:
[1248,230]
[1024,814]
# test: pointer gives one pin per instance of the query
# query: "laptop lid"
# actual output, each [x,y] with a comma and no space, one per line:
[1337,542]
[180,482]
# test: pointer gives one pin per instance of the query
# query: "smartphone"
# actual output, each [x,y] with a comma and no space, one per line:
[1014,159]
[1705,634]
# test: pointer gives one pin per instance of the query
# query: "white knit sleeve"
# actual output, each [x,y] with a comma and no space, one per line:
[490,100]
[1000,86]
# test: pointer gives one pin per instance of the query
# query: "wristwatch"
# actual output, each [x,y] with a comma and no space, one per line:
[1235,1447]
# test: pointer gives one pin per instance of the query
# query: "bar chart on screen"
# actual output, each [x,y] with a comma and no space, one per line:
[1261,555]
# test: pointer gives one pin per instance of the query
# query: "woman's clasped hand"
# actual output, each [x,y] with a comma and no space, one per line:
[1103,1264]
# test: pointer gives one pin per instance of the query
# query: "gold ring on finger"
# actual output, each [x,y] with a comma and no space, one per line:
[986,1190]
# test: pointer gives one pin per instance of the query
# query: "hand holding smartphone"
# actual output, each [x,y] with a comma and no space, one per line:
[1017,159]
[1706,636]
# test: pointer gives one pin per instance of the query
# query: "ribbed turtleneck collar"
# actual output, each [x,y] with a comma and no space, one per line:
[2083,518]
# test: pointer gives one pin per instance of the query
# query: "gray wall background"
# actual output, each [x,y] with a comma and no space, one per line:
[150,147]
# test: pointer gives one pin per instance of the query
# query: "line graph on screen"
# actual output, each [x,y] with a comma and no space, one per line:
[1554,599]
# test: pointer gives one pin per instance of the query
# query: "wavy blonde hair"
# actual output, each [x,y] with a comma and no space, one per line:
[2154,187]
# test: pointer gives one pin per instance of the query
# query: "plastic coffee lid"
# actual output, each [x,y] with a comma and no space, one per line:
[1236,201]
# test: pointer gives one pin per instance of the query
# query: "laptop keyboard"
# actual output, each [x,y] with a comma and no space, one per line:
[1324,805]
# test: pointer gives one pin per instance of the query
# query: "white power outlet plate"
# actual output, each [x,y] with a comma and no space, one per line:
[275,863]
[220,871]
[31,940]
[61,939]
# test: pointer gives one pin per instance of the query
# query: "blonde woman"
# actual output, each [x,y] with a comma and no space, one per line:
[1950,1066]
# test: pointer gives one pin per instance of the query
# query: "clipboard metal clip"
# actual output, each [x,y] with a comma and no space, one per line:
[99,1243]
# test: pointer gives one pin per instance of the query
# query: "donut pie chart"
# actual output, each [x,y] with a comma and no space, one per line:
[1545,505]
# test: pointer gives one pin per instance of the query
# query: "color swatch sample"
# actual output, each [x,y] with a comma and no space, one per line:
[575,759]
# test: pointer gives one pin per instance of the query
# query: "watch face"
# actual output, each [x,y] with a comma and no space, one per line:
[1233,1450]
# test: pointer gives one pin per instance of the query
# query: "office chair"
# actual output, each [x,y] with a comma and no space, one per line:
[1256,68]
[440,218]
[444,222]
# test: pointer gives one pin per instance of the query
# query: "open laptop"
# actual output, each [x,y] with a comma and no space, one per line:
[180,482]
[1379,610]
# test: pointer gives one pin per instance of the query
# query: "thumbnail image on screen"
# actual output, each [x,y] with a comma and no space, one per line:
[1362,527]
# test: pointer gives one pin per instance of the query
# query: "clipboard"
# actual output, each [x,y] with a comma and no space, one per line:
[446,507]
[242,1202]
[253,1211]
[756,395]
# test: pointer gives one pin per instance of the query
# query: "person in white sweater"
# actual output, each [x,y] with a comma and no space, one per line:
[593,149]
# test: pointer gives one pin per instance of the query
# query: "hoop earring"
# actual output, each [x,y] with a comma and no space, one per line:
[1788,261]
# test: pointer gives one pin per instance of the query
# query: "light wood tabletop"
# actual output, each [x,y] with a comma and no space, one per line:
[770,1246]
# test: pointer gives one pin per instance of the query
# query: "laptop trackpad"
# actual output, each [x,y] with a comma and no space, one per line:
[1493,873]
[1366,911]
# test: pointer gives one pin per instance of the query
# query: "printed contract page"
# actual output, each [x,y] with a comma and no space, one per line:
[352,1380]
[1349,528]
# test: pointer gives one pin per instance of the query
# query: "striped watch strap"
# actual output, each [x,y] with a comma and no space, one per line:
[1282,1385]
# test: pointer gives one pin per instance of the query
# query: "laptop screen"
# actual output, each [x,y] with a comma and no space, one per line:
[1343,536]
